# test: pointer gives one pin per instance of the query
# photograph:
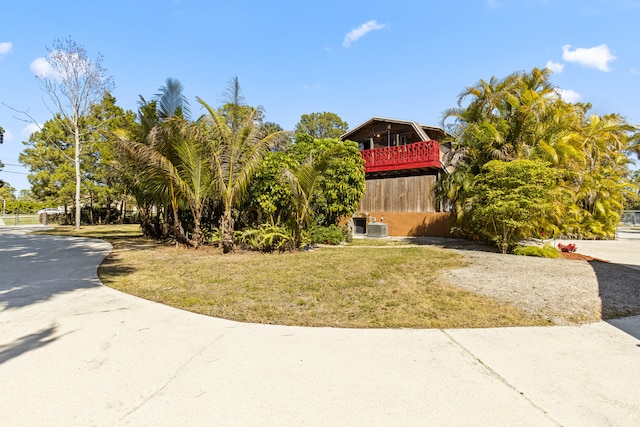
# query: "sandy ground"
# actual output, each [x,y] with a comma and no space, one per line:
[561,290]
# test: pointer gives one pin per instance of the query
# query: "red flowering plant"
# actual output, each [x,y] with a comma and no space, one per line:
[571,247]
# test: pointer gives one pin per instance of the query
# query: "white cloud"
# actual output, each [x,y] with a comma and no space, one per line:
[594,57]
[29,129]
[5,47]
[493,4]
[8,136]
[357,33]
[555,66]
[633,71]
[41,68]
[311,87]
[569,95]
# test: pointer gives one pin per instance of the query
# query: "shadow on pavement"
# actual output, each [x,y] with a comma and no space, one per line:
[629,325]
[27,343]
[34,268]
[619,289]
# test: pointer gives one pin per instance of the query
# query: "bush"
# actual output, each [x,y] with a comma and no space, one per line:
[546,251]
[511,201]
[331,235]
[267,238]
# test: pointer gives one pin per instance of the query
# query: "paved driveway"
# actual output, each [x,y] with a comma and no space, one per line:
[625,250]
[73,352]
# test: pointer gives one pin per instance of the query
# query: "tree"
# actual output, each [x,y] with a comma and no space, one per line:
[7,192]
[74,83]
[50,151]
[171,102]
[269,198]
[322,125]
[342,184]
[185,167]
[48,156]
[281,144]
[238,147]
[151,144]
[304,182]
[511,201]
[101,179]
[522,117]
[633,197]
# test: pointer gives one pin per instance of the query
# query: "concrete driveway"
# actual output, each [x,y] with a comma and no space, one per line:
[73,352]
[624,250]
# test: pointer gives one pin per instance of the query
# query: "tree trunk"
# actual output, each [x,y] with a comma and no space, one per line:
[77,165]
[198,236]
[226,229]
[107,216]
[91,221]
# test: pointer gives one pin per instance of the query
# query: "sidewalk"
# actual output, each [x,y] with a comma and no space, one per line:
[73,352]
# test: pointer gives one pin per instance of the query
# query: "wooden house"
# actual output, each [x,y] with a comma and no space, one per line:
[403,161]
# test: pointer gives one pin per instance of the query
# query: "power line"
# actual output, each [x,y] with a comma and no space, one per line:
[17,173]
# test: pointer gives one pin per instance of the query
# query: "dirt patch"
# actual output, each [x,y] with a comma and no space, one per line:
[575,256]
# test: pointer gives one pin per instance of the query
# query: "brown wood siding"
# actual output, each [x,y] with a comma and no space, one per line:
[406,194]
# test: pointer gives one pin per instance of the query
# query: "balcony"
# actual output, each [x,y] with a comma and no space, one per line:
[418,155]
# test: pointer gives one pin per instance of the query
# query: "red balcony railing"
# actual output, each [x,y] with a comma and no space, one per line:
[423,154]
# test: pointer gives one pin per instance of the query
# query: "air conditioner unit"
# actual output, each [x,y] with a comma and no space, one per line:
[377,229]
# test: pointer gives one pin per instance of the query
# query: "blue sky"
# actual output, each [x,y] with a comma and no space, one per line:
[401,59]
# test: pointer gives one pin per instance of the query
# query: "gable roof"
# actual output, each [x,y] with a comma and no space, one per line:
[420,129]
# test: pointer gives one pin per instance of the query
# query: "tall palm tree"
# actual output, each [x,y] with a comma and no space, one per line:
[171,102]
[237,145]
[157,131]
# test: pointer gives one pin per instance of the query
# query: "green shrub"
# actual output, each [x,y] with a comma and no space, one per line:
[546,251]
[331,235]
[267,238]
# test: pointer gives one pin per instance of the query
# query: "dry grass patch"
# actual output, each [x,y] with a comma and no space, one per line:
[377,287]
[364,288]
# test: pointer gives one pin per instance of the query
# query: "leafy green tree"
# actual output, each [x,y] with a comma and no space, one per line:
[322,125]
[511,201]
[49,158]
[281,144]
[269,198]
[50,152]
[304,182]
[523,117]
[7,192]
[102,181]
[342,185]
